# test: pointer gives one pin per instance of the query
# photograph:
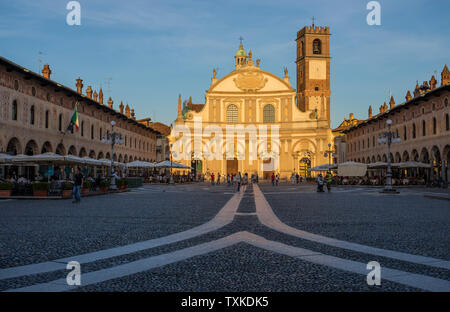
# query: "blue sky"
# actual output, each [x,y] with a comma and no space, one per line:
[154,50]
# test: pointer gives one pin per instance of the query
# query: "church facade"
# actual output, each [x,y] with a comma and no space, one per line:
[256,122]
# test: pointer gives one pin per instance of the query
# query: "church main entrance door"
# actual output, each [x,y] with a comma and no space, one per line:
[232,166]
[267,174]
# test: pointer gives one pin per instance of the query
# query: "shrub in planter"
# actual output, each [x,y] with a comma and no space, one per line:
[122,184]
[104,185]
[86,187]
[6,188]
[67,190]
[40,188]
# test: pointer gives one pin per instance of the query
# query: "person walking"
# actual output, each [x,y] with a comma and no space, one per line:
[273,179]
[277,179]
[212,178]
[77,183]
[320,183]
[239,179]
[329,180]
[218,178]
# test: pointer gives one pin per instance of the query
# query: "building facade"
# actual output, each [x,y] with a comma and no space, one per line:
[249,98]
[421,122]
[35,112]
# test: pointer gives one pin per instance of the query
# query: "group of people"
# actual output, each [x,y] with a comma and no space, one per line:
[232,179]
[327,181]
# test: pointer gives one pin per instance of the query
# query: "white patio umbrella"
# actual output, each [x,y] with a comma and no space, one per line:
[40,158]
[382,165]
[414,164]
[352,169]
[72,159]
[323,167]
[105,162]
[5,158]
[169,164]
[139,164]
[92,161]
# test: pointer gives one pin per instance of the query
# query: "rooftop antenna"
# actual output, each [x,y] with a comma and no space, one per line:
[40,53]
[108,85]
[240,38]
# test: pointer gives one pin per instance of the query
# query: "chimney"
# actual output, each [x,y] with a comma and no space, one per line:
[89,92]
[370,111]
[127,111]
[121,107]
[110,103]
[433,83]
[408,96]
[95,95]
[391,103]
[445,76]
[79,85]
[100,96]
[46,72]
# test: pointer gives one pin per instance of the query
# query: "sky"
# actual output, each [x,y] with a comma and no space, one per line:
[145,53]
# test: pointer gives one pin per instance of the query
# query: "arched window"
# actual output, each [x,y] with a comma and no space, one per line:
[232,113]
[405,137]
[46,119]
[414,131]
[447,123]
[269,113]
[32,115]
[14,110]
[92,132]
[317,46]
[82,128]
[60,122]
[424,128]
[434,126]
[100,133]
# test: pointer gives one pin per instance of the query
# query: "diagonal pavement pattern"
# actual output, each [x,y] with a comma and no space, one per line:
[226,215]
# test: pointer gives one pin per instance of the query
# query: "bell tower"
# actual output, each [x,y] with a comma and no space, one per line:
[313,70]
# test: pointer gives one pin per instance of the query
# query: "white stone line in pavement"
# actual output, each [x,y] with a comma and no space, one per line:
[268,218]
[409,279]
[224,217]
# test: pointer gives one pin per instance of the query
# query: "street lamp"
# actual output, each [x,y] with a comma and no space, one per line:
[328,154]
[112,138]
[389,138]
[171,175]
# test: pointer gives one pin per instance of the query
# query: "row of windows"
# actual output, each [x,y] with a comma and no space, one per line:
[353,147]
[268,114]
[382,125]
[142,145]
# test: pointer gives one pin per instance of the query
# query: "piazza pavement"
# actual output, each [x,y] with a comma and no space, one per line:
[198,237]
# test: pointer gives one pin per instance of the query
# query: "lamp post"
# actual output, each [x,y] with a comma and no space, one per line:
[389,138]
[328,154]
[171,175]
[112,138]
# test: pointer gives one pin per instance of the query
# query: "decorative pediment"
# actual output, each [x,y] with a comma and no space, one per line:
[250,80]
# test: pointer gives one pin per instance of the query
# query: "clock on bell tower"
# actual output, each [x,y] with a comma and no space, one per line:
[313,70]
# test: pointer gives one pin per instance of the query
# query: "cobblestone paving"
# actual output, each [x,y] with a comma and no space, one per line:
[36,231]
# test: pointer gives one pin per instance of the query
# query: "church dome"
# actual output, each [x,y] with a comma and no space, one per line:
[241,51]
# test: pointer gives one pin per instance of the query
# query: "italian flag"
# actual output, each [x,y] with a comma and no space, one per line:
[74,120]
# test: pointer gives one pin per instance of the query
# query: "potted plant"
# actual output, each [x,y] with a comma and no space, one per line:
[40,188]
[122,184]
[86,187]
[104,185]
[6,188]
[67,190]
